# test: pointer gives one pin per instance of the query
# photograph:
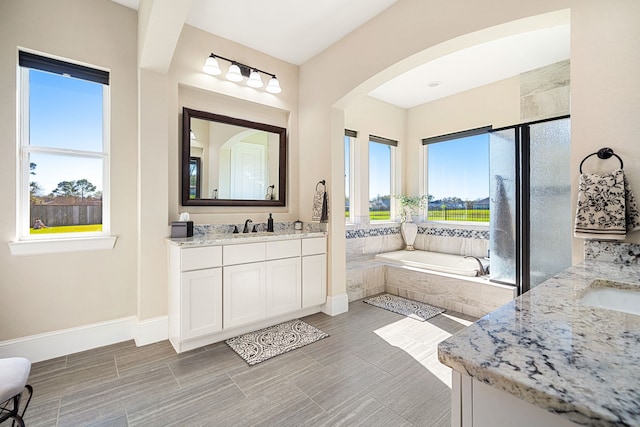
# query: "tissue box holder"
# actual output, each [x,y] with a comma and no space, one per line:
[181,229]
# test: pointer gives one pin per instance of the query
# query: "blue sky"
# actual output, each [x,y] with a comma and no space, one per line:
[67,113]
[459,168]
[379,170]
[456,168]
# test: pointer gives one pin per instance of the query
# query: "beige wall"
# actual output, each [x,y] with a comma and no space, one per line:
[51,292]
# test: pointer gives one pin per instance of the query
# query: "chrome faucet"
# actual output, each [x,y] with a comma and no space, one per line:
[482,270]
[246,226]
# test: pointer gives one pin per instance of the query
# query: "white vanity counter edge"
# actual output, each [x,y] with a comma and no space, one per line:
[550,349]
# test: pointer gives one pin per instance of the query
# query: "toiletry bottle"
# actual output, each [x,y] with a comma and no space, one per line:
[270,223]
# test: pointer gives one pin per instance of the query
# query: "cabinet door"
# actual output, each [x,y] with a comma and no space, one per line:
[314,280]
[201,303]
[284,292]
[244,294]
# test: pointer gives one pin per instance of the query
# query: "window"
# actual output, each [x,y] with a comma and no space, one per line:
[381,161]
[349,140]
[64,149]
[458,176]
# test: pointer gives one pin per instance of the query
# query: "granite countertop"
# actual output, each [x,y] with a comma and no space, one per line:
[239,238]
[551,350]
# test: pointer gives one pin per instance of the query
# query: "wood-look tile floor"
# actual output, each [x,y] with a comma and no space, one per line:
[376,368]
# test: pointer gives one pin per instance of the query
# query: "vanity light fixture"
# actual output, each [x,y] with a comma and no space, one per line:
[237,72]
[254,79]
[234,74]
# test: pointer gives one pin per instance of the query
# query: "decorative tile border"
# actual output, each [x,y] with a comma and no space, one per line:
[430,231]
[369,232]
[454,232]
[616,252]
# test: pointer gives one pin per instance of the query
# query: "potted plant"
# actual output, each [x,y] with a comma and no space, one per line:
[410,206]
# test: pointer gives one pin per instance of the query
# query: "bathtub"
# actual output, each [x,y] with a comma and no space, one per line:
[443,280]
[433,261]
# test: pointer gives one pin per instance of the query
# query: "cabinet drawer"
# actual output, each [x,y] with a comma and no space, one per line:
[200,258]
[283,249]
[316,245]
[244,253]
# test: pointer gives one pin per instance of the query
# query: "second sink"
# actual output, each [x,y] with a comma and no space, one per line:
[613,296]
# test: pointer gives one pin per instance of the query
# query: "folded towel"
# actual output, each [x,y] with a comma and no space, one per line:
[607,209]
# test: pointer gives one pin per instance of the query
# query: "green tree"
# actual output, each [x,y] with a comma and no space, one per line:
[65,189]
[85,188]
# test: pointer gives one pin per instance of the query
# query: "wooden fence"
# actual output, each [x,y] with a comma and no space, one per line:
[58,215]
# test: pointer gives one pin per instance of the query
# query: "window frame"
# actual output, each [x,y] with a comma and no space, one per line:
[45,243]
[352,136]
[425,165]
[393,168]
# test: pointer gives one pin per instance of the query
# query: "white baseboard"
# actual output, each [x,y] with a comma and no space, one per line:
[336,304]
[54,344]
[151,330]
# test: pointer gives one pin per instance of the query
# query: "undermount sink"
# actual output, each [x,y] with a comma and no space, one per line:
[617,296]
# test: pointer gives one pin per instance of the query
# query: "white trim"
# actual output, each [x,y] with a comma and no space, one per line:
[151,330]
[38,247]
[67,341]
[49,345]
[336,304]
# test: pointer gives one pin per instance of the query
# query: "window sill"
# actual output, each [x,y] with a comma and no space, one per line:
[39,247]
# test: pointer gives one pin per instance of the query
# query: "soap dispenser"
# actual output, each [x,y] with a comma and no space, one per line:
[270,223]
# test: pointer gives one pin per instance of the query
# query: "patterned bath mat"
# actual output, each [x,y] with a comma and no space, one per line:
[413,309]
[258,346]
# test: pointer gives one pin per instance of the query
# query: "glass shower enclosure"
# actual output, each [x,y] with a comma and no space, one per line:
[530,202]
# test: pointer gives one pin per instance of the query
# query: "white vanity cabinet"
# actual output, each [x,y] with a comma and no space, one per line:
[218,292]
[266,281]
[195,300]
[314,271]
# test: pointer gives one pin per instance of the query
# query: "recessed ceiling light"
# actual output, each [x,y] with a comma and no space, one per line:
[434,83]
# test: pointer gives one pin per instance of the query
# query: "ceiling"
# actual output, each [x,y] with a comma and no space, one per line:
[319,24]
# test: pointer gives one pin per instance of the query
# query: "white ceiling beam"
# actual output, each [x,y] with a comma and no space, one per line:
[159,25]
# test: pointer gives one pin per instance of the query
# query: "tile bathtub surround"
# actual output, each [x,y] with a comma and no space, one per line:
[365,277]
[455,239]
[474,297]
[550,350]
[616,252]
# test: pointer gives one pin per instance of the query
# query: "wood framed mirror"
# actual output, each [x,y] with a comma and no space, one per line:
[227,161]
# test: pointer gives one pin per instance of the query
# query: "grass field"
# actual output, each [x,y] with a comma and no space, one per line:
[68,229]
[473,215]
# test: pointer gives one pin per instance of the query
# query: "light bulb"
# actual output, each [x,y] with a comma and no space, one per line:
[274,85]
[254,79]
[211,66]
[234,74]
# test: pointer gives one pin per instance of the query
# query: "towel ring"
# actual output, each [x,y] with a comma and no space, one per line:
[323,182]
[603,153]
